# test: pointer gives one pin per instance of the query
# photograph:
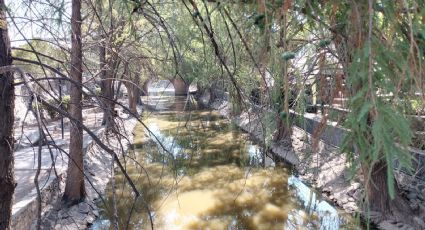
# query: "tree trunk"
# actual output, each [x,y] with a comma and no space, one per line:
[7,180]
[145,88]
[137,90]
[284,128]
[265,51]
[102,74]
[376,186]
[133,94]
[132,97]
[107,93]
[106,74]
[74,189]
[181,88]
[130,84]
[138,94]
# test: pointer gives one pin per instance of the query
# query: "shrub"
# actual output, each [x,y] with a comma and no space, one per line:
[52,113]
[40,108]
[414,107]
[65,101]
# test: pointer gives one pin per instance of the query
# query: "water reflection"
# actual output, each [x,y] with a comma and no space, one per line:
[167,103]
[205,140]
[210,176]
[326,215]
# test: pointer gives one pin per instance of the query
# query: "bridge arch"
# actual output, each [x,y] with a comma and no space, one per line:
[180,86]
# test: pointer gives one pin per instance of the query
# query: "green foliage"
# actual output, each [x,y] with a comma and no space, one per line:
[66,100]
[51,112]
[38,109]
[259,20]
[43,48]
[283,115]
[288,56]
[414,107]
[383,70]
[378,127]
[98,90]
[196,14]
[269,125]
[325,42]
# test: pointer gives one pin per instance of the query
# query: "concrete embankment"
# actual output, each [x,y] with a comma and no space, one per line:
[324,167]
[98,171]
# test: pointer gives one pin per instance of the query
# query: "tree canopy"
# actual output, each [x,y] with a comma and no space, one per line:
[276,58]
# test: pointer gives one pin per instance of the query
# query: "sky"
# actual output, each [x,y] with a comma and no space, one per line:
[38,19]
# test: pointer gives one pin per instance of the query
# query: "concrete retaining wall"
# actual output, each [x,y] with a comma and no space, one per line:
[334,135]
[23,219]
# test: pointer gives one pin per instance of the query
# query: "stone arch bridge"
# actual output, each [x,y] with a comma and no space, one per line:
[181,87]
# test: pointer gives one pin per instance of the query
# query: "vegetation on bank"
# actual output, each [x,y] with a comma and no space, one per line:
[271,57]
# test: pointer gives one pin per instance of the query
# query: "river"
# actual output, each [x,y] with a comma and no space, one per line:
[208,174]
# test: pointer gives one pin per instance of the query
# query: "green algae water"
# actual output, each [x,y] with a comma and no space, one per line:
[195,170]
